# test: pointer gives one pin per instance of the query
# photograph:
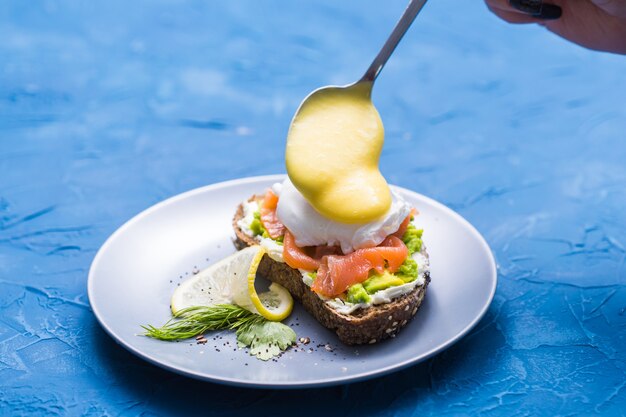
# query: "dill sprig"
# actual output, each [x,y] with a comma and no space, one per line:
[192,321]
[265,338]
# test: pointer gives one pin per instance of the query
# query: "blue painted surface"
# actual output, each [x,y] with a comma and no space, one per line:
[106,109]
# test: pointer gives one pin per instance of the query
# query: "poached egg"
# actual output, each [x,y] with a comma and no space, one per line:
[310,228]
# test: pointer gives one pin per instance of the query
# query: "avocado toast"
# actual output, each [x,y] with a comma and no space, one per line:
[352,315]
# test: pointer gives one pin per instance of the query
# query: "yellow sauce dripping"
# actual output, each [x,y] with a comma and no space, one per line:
[332,154]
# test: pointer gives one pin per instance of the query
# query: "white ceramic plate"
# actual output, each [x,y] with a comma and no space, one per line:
[135,272]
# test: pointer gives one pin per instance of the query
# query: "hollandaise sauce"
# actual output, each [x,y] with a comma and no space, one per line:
[333,148]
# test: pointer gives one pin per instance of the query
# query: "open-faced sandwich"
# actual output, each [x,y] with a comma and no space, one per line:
[363,281]
[339,238]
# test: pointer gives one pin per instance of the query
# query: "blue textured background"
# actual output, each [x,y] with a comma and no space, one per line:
[106,109]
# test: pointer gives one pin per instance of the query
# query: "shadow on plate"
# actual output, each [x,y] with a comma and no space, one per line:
[166,393]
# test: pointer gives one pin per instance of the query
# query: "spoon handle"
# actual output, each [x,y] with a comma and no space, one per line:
[402,26]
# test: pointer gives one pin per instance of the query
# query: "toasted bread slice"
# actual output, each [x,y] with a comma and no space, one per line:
[368,325]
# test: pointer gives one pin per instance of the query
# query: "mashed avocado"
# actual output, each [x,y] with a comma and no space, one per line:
[357,294]
[407,271]
[412,238]
[256,226]
[381,282]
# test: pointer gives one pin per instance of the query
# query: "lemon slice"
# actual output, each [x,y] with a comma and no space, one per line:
[275,304]
[231,281]
[220,283]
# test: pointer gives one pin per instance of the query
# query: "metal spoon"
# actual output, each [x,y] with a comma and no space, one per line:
[366,82]
[412,10]
[335,139]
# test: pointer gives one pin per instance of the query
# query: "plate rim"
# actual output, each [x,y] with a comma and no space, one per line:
[324,382]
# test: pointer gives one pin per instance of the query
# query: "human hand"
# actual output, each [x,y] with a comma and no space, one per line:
[595,24]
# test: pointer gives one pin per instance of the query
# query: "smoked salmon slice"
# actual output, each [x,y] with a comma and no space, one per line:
[308,258]
[295,256]
[268,215]
[320,251]
[337,273]
[405,223]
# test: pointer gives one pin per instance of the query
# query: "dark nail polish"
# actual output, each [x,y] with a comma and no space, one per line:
[537,8]
[550,12]
[527,6]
